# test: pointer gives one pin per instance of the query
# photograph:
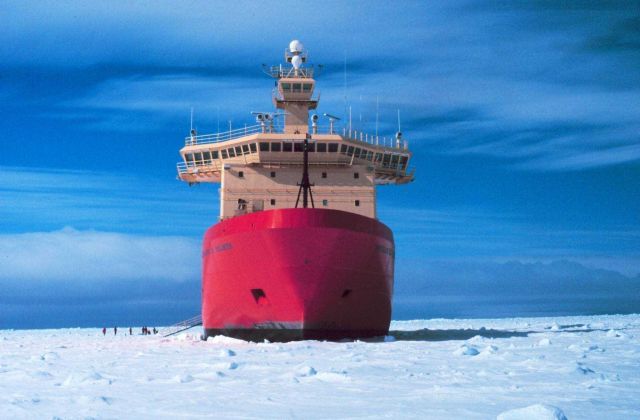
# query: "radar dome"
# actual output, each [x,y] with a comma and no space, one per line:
[296,61]
[295,46]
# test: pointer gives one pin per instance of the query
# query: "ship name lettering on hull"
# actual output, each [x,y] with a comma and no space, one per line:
[218,248]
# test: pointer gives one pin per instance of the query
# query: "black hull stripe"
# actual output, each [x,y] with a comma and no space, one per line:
[282,335]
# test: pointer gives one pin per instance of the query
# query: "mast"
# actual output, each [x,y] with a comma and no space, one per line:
[305,185]
[295,89]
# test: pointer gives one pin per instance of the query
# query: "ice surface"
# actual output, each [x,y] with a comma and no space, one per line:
[533,412]
[533,368]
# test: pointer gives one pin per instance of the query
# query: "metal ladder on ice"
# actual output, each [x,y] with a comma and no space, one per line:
[181,326]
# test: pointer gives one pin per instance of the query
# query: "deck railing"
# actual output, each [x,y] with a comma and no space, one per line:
[348,134]
[280,71]
[231,134]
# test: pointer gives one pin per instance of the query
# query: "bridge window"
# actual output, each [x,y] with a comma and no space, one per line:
[245,149]
[232,154]
[343,149]
[378,157]
[350,151]
[385,160]
[264,146]
[306,87]
[215,154]
[311,147]
[275,147]
[198,157]
[333,147]
[394,161]
[286,86]
[403,162]
[206,156]
[238,151]
[252,146]
[298,147]
[287,147]
[188,157]
[357,152]
[223,153]
[369,155]
[322,147]
[297,87]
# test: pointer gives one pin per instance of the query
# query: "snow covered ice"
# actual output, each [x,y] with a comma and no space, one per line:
[522,368]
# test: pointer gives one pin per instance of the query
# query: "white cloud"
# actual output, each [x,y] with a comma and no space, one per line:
[587,159]
[72,255]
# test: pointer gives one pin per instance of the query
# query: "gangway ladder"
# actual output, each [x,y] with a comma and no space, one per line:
[182,326]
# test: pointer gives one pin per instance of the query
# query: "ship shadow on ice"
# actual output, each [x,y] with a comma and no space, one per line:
[426,334]
[460,334]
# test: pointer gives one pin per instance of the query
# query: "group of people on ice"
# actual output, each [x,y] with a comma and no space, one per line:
[145,331]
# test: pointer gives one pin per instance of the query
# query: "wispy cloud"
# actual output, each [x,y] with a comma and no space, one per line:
[517,70]
[51,199]
[471,234]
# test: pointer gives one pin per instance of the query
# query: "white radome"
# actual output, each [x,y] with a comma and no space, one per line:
[296,61]
[295,46]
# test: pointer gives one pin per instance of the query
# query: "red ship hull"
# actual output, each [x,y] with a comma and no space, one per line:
[297,274]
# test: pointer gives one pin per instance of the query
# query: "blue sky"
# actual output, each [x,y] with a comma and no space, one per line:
[524,120]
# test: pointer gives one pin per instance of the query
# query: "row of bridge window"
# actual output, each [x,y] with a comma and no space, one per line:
[386,160]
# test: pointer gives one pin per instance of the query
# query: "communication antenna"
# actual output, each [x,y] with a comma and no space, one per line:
[377,113]
[345,85]
[192,132]
[399,133]
[360,112]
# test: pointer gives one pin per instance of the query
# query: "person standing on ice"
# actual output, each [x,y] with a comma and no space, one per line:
[130,331]
[104,330]
[115,330]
